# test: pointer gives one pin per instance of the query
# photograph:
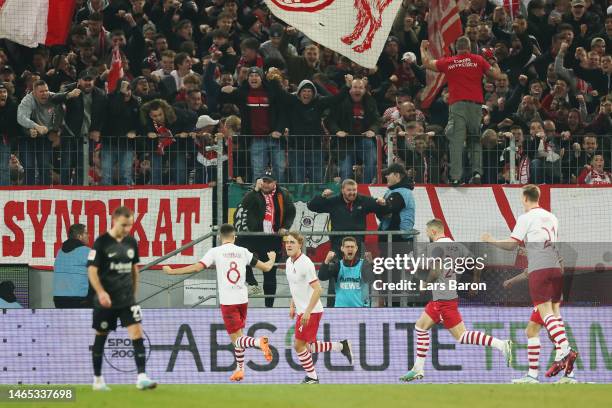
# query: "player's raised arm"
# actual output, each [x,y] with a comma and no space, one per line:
[196,267]
[267,266]
[509,244]
[94,279]
[516,279]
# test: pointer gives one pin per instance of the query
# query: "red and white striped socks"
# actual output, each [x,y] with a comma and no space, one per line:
[556,331]
[244,342]
[533,355]
[307,363]
[323,346]
[422,343]
[481,339]
[239,355]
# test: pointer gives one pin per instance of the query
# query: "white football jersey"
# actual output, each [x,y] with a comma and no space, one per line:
[443,249]
[538,230]
[300,274]
[230,261]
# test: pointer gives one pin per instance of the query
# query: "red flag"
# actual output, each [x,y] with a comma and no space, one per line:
[444,27]
[33,22]
[116,71]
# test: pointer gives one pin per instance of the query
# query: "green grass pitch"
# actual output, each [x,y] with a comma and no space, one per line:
[342,396]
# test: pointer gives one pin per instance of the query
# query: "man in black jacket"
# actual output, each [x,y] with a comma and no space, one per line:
[303,117]
[85,118]
[169,138]
[348,212]
[355,123]
[118,141]
[8,132]
[261,121]
[269,208]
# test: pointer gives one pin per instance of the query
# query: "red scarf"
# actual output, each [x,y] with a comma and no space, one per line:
[268,222]
[165,138]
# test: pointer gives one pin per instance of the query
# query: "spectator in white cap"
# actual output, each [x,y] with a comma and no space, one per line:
[408,73]
[207,137]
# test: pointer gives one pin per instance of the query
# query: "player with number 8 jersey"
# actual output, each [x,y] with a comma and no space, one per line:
[230,262]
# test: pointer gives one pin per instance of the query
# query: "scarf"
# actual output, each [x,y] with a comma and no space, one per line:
[268,222]
[165,138]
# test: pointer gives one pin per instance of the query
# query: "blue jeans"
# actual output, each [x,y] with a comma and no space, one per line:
[72,161]
[267,150]
[36,153]
[365,150]
[117,151]
[5,155]
[543,171]
[301,161]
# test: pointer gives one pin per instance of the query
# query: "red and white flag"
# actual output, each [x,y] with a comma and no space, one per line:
[443,28]
[33,22]
[357,29]
[116,71]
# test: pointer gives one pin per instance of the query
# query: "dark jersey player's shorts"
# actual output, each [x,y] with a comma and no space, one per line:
[106,319]
[545,285]
[445,311]
[234,317]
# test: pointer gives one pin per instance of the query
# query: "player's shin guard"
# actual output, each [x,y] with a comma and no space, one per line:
[239,354]
[323,346]
[481,339]
[245,342]
[422,337]
[307,363]
[533,355]
[556,331]
[97,352]
[140,355]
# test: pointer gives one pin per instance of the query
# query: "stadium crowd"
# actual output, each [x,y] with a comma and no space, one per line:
[196,72]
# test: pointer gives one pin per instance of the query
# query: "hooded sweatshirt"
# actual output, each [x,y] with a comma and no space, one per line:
[305,120]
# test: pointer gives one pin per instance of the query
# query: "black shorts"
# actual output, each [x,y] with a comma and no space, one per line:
[106,319]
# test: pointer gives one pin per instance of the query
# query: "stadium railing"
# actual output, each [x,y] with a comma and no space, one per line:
[506,158]
[168,284]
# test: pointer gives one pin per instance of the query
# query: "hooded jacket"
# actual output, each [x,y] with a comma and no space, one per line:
[305,119]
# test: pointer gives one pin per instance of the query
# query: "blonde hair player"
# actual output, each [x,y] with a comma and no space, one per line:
[538,229]
[306,304]
[444,306]
[230,261]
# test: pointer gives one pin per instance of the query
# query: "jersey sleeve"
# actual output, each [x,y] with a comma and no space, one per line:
[520,229]
[208,259]
[136,259]
[250,257]
[311,273]
[442,64]
[484,64]
[95,254]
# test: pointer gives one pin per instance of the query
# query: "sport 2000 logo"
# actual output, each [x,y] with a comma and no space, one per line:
[119,351]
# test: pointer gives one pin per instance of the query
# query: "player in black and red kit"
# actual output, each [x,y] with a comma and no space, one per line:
[113,273]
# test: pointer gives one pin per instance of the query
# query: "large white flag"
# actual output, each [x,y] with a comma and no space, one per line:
[357,29]
[33,22]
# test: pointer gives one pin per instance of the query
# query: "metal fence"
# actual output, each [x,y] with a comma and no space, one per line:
[498,157]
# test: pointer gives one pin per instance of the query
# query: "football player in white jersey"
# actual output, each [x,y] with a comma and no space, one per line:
[306,304]
[537,229]
[230,261]
[444,306]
